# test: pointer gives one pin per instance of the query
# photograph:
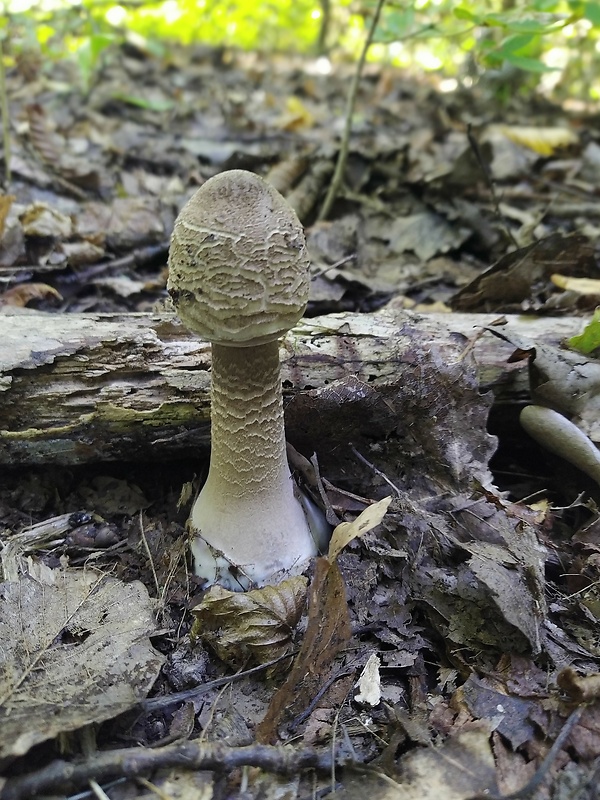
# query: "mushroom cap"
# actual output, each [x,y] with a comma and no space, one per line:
[238,265]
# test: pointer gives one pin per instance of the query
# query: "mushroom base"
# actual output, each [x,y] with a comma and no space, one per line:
[247,547]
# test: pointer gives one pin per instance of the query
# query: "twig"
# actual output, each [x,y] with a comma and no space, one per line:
[5,120]
[295,723]
[149,554]
[351,102]
[378,472]
[156,703]
[483,166]
[64,776]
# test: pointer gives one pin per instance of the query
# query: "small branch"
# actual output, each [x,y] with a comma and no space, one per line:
[156,703]
[351,102]
[5,119]
[484,167]
[64,776]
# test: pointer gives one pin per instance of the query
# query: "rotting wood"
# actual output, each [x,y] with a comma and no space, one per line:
[82,388]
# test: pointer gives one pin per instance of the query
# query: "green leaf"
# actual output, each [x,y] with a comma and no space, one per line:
[465,13]
[88,56]
[589,340]
[529,64]
[513,44]
[591,12]
[141,102]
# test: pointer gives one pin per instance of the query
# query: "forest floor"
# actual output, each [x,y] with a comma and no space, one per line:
[452,651]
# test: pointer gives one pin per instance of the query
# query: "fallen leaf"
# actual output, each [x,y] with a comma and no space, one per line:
[23,294]
[543,141]
[6,201]
[256,625]
[580,688]
[505,714]
[345,532]
[75,650]
[42,221]
[579,285]
[461,767]
[369,683]
[509,281]
[327,632]
[296,117]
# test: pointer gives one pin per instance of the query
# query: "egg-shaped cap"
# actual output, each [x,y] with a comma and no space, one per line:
[238,265]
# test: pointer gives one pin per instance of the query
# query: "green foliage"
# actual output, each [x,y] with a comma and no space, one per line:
[288,25]
[589,340]
[458,37]
[88,55]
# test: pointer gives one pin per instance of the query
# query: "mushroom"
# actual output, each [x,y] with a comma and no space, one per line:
[562,437]
[239,276]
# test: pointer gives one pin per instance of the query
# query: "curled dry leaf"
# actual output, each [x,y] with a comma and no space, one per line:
[22,295]
[580,688]
[40,220]
[345,532]
[328,631]
[255,625]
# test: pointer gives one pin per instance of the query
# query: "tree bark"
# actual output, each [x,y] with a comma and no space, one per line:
[82,388]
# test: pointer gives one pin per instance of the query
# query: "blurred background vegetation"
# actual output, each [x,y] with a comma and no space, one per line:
[549,45]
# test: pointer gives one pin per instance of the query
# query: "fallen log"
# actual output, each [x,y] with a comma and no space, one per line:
[83,388]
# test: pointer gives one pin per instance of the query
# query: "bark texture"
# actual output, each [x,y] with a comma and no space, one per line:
[83,388]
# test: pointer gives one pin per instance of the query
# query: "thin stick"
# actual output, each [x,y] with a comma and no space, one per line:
[5,121]
[62,776]
[350,103]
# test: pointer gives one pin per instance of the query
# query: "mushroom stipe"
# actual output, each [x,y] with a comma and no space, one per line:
[239,277]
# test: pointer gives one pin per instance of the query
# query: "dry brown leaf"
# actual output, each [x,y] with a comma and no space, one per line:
[23,294]
[6,201]
[509,281]
[70,656]
[43,221]
[581,688]
[255,625]
[457,769]
[327,632]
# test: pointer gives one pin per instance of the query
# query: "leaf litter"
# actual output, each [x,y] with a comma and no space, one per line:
[474,603]
[70,657]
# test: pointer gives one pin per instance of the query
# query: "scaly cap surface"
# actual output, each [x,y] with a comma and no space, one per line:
[238,265]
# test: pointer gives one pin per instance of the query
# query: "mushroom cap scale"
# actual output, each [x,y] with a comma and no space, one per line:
[238,265]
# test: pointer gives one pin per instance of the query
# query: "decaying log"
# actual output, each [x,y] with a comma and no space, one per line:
[78,388]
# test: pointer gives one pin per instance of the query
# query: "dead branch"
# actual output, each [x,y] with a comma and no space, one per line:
[66,777]
[80,388]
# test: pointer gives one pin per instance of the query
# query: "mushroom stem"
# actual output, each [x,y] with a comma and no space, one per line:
[247,509]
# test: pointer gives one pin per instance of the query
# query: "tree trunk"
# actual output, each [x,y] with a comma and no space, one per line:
[81,388]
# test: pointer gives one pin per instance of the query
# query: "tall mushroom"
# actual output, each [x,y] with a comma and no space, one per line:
[238,276]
